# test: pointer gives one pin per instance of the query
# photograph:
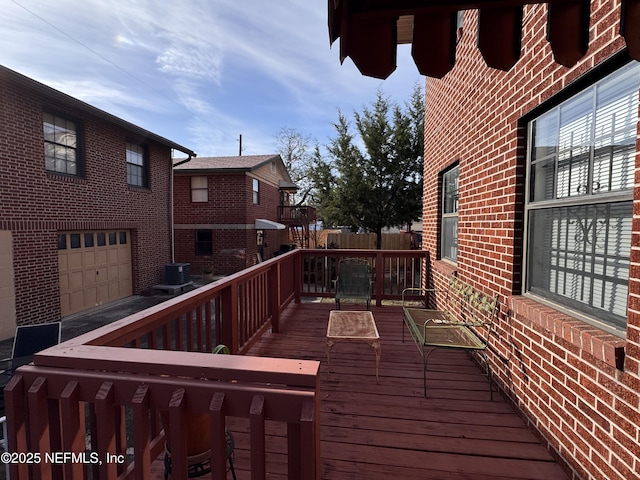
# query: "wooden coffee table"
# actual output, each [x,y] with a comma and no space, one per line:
[353,326]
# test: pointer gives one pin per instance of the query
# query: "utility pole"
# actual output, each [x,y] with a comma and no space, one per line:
[240,148]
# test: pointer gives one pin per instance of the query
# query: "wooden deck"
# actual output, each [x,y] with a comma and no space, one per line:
[388,430]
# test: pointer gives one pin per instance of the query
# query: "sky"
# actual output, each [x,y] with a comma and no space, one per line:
[198,72]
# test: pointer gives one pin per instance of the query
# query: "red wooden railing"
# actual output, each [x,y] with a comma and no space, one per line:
[111,398]
[392,271]
[104,393]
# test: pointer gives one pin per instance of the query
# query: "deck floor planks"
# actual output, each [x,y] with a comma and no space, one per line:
[388,430]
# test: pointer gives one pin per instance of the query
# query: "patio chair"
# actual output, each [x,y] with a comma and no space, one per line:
[27,341]
[354,281]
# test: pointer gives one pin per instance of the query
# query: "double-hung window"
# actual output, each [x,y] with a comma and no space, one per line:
[199,189]
[204,242]
[256,191]
[137,165]
[61,145]
[581,160]
[449,239]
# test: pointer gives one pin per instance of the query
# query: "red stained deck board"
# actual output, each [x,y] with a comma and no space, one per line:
[388,430]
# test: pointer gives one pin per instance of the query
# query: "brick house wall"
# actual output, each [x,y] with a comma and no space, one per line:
[230,214]
[566,375]
[227,204]
[37,204]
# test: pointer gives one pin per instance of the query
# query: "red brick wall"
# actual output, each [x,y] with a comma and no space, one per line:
[560,371]
[36,204]
[230,204]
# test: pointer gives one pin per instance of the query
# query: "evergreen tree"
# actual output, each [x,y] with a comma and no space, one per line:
[377,184]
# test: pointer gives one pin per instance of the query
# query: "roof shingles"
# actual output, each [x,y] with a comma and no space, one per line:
[240,163]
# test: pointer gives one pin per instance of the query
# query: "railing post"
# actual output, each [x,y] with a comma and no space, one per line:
[257,440]
[229,323]
[273,289]
[38,423]
[297,275]
[294,450]
[218,436]
[17,426]
[177,435]
[310,440]
[142,447]
[303,444]
[379,277]
[105,404]
[73,433]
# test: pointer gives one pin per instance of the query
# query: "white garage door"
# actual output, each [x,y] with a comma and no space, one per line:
[95,268]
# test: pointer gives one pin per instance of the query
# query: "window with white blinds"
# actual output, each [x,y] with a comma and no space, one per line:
[581,254]
[580,192]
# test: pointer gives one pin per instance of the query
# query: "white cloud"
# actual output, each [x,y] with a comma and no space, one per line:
[200,72]
[199,63]
[94,92]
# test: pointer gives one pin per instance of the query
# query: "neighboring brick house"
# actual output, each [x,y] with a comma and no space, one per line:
[85,214]
[532,191]
[226,211]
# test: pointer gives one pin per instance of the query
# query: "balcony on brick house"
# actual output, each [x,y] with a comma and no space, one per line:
[110,392]
[298,220]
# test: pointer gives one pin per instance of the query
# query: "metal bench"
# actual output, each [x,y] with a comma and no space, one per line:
[463,321]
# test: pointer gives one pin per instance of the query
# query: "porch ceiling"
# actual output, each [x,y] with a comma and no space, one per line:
[370,30]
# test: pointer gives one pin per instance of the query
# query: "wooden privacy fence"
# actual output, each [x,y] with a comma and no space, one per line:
[390,241]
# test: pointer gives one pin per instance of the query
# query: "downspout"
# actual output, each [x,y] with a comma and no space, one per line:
[173,229]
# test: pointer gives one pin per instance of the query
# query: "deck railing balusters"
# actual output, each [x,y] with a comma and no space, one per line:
[96,371]
[73,435]
[141,433]
[258,445]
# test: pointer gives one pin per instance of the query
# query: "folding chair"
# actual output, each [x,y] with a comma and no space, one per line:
[28,340]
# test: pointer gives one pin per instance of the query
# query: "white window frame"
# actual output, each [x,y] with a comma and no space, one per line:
[61,145]
[137,165]
[255,191]
[449,213]
[578,200]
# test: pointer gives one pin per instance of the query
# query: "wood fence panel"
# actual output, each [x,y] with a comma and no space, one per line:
[396,241]
[367,241]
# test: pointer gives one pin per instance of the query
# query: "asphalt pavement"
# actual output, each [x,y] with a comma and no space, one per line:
[85,321]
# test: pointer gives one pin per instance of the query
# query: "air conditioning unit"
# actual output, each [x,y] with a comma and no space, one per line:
[177,273]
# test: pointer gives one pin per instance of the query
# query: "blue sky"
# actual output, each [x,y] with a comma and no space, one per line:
[198,72]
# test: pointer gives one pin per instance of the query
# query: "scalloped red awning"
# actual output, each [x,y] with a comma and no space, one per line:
[370,30]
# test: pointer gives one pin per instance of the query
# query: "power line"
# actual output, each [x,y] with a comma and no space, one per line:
[98,54]
[125,71]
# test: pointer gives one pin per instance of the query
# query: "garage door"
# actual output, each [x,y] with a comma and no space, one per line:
[7,288]
[95,268]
